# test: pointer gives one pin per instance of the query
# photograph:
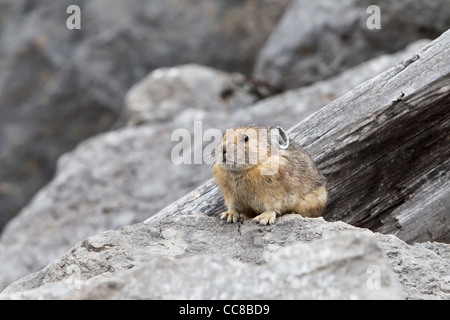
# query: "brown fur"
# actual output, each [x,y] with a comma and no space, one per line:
[294,184]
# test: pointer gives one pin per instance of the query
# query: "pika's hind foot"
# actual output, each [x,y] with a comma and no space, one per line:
[267,217]
[230,216]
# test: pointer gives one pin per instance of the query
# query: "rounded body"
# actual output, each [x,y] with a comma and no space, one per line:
[262,174]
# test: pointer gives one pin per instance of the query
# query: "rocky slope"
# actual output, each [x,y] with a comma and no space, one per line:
[379,134]
[112,179]
[62,86]
[190,226]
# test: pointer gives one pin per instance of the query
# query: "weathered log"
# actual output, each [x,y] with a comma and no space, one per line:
[384,149]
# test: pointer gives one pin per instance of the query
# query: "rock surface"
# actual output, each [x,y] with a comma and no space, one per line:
[310,268]
[113,179]
[302,50]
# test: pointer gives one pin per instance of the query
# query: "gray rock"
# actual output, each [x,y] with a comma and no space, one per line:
[59,86]
[123,177]
[176,94]
[339,267]
[144,248]
[315,40]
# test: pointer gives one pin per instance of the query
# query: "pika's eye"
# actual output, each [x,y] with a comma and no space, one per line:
[245,138]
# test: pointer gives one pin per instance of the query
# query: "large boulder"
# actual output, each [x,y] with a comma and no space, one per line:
[292,259]
[60,86]
[184,93]
[318,39]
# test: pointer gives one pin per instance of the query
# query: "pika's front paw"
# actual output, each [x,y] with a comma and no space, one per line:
[230,216]
[267,217]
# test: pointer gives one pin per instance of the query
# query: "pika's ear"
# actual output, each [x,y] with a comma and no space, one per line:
[282,138]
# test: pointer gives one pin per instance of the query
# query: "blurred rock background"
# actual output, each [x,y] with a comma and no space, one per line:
[226,62]
[60,86]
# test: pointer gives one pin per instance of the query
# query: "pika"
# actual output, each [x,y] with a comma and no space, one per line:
[262,173]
